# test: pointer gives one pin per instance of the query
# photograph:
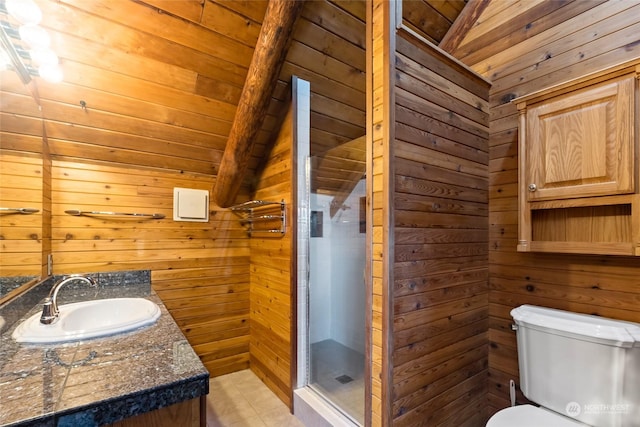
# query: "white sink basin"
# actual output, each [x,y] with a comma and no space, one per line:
[89,319]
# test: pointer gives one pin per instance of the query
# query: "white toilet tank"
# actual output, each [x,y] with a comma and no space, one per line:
[585,367]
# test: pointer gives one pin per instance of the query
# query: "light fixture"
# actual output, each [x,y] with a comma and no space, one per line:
[40,59]
[15,60]
[43,56]
[51,73]
[35,36]
[25,12]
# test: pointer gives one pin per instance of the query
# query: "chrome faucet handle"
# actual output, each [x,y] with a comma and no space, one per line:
[49,314]
[50,307]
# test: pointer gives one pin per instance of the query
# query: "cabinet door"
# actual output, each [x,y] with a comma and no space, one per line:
[581,144]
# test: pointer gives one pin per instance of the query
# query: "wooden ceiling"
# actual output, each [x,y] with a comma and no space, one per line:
[529,30]
[431,18]
[160,80]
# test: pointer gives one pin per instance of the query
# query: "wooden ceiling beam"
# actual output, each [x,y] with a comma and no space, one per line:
[268,57]
[461,26]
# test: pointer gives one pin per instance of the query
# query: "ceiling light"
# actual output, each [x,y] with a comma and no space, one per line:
[35,36]
[43,56]
[29,36]
[24,11]
[51,73]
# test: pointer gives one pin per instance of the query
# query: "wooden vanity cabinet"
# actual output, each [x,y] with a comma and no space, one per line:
[190,413]
[578,165]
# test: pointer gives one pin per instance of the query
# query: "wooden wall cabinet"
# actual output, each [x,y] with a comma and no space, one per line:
[578,166]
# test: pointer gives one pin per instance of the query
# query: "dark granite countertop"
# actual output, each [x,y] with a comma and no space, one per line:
[98,381]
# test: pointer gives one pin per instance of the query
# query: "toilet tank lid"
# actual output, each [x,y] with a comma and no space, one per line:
[585,327]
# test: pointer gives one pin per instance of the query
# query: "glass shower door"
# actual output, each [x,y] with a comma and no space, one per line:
[337,297]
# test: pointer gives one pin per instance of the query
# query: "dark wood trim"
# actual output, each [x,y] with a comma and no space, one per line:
[389,118]
[203,410]
[262,78]
[463,23]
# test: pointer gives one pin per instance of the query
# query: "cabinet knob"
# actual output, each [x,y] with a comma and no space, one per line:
[532,187]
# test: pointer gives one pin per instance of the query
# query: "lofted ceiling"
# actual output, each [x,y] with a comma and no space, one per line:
[163,78]
[160,80]
[503,25]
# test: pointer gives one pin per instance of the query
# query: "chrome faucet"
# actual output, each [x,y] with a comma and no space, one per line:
[50,308]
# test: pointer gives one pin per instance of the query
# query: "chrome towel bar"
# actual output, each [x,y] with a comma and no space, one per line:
[20,210]
[261,215]
[77,212]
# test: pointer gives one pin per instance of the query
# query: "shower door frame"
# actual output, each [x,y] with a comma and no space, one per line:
[301,187]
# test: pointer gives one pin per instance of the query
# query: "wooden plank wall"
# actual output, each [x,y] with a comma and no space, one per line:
[271,314]
[148,96]
[440,287]
[20,234]
[586,41]
[20,118]
[148,126]
[199,270]
[430,202]
[21,179]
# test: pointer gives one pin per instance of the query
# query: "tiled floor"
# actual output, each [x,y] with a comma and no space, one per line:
[240,399]
[331,364]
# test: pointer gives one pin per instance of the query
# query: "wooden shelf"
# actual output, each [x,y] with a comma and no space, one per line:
[629,249]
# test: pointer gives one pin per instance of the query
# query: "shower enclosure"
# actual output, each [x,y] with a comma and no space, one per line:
[331,290]
[337,300]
